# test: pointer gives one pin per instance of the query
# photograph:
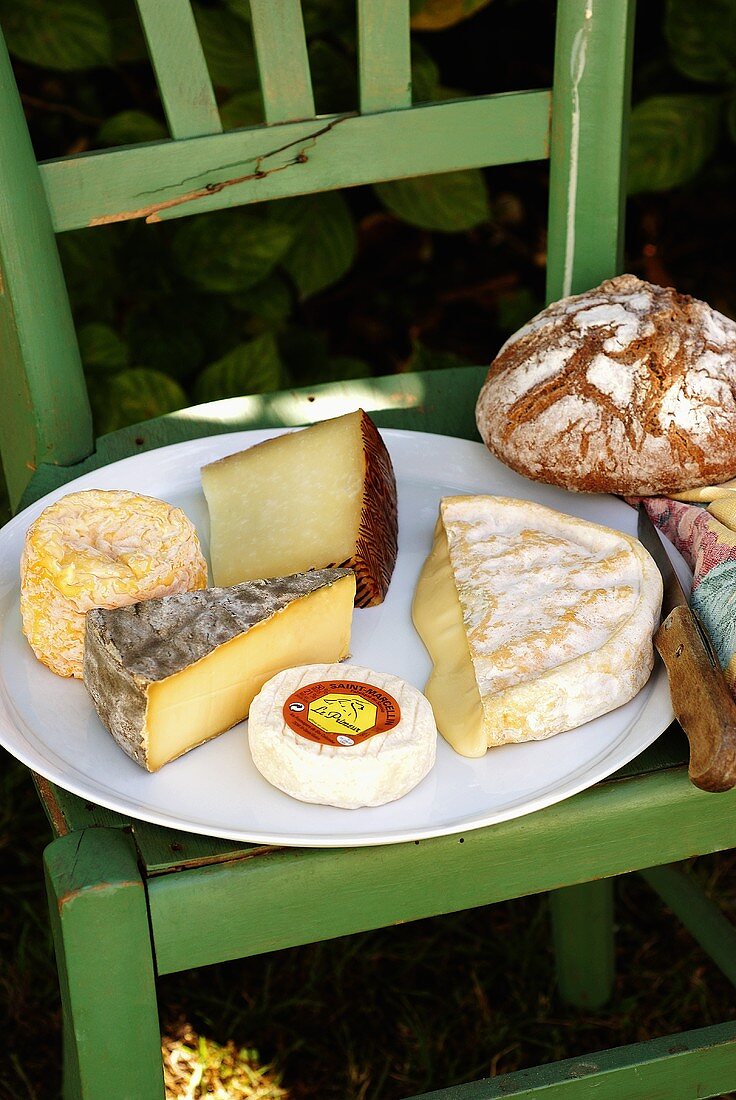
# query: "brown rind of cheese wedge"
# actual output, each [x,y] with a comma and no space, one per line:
[378,534]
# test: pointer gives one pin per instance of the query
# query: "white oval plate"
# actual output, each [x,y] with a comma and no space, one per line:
[50,724]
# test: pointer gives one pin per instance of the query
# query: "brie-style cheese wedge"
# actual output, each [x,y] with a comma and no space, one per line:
[536,621]
[342,735]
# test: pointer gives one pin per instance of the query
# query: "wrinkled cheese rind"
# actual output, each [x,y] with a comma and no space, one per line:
[558,616]
[380,769]
[250,631]
[100,548]
[322,496]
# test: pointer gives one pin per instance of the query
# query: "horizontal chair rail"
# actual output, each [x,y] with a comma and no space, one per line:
[289,896]
[674,1067]
[158,180]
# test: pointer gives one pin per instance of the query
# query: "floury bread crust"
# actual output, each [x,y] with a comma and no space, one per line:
[629,388]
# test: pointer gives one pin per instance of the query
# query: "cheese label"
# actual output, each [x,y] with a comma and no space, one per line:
[340,712]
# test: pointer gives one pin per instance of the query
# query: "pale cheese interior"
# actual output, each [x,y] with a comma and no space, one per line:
[452,688]
[287,505]
[216,692]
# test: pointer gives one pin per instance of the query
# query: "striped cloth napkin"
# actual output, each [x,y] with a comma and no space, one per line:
[703,528]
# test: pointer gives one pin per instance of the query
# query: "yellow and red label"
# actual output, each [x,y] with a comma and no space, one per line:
[340,712]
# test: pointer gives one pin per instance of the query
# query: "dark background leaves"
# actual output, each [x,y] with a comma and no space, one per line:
[407,274]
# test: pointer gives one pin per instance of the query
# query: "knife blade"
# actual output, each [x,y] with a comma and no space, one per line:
[701,698]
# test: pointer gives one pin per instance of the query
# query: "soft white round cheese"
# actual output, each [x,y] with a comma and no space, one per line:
[352,765]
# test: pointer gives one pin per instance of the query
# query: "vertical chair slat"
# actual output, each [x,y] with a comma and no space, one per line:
[44,415]
[593,49]
[384,54]
[180,67]
[283,64]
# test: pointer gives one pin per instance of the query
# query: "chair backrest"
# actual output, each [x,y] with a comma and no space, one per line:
[580,124]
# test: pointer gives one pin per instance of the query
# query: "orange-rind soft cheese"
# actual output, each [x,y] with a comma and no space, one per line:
[100,548]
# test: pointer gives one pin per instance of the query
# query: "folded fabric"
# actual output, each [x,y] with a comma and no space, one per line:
[706,538]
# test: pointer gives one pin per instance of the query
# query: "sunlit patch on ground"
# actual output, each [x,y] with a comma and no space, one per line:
[197,1067]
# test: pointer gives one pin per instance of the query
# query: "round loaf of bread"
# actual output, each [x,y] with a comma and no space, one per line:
[628,388]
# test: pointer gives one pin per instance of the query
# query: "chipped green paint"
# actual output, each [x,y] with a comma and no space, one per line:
[99,922]
[281,47]
[590,108]
[170,179]
[384,55]
[675,1067]
[45,411]
[181,72]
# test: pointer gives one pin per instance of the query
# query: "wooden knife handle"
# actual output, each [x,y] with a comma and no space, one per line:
[701,700]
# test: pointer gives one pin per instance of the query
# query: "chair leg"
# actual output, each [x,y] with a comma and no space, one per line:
[582,927]
[703,919]
[99,920]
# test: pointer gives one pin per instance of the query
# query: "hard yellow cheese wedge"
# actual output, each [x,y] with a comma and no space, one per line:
[167,675]
[536,622]
[322,496]
[100,548]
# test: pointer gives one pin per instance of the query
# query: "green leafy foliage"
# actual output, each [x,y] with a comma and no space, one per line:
[338,284]
[242,110]
[425,75]
[232,250]
[450,202]
[130,127]
[128,43]
[90,260]
[166,335]
[228,48]
[702,39]
[101,348]
[66,35]
[338,367]
[134,395]
[731,117]
[324,241]
[252,367]
[271,301]
[424,358]
[516,307]
[333,78]
[671,138]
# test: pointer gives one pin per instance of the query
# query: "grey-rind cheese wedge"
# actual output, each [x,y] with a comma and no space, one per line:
[169,674]
[536,621]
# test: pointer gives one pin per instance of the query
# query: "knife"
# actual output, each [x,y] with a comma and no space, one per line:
[701,698]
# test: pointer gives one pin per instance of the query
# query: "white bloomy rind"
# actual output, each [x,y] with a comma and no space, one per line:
[375,771]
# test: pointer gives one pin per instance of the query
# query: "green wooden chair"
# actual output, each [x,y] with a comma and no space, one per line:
[128,899]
